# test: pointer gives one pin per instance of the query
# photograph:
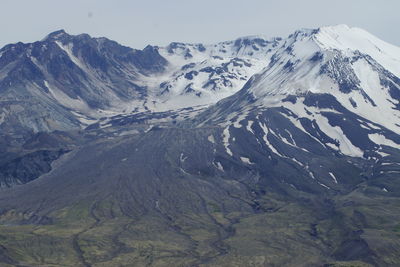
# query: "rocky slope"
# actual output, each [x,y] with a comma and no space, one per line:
[299,167]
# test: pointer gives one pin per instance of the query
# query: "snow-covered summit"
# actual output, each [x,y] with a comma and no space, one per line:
[337,82]
[345,38]
[55,35]
[321,59]
[355,67]
[202,74]
[94,77]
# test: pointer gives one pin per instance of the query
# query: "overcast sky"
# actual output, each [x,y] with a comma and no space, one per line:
[138,23]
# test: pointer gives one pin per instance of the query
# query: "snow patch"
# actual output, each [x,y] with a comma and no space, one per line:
[211,139]
[182,158]
[265,138]
[323,185]
[382,140]
[245,160]
[2,118]
[219,166]
[225,140]
[333,177]
[248,126]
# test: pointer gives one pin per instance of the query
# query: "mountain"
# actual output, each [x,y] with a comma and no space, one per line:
[346,99]
[297,165]
[66,82]
[63,81]
[203,74]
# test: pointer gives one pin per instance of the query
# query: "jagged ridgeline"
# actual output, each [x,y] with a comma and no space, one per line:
[253,152]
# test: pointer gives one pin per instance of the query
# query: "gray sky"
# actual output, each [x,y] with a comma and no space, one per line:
[138,23]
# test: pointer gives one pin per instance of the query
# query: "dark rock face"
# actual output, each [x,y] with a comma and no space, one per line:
[26,168]
[242,42]
[339,70]
[148,60]
[317,57]
[191,74]
[323,101]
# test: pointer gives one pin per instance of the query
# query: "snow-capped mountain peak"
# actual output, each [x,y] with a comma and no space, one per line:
[336,82]
[55,35]
[345,38]
[322,59]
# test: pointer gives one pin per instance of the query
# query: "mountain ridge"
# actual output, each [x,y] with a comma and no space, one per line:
[296,164]
[193,74]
